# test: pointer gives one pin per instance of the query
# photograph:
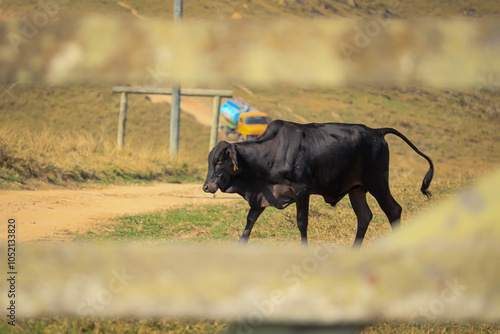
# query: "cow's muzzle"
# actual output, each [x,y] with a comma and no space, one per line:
[210,188]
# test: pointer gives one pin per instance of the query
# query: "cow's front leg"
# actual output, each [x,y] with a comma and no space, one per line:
[302,200]
[252,217]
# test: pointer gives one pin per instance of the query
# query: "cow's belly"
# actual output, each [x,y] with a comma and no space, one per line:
[276,195]
[333,199]
[335,192]
[282,196]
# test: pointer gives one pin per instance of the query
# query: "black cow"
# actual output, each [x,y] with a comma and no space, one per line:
[290,161]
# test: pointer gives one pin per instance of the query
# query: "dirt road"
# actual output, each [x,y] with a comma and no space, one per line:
[47,214]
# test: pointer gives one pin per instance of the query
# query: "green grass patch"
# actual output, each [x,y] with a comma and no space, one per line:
[86,325]
[180,326]
[452,328]
[224,223]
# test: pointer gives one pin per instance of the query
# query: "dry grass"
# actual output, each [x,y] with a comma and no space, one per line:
[81,157]
[62,135]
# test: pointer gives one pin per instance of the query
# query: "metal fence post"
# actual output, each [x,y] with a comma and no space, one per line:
[122,119]
[175,112]
[215,123]
[178,9]
[175,109]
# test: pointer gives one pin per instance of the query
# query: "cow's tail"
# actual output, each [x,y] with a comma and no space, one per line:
[430,173]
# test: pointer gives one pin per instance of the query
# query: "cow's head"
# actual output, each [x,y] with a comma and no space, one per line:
[222,166]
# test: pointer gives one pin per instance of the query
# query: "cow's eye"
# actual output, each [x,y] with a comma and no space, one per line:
[218,165]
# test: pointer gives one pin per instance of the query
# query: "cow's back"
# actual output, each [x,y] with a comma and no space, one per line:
[318,142]
[329,156]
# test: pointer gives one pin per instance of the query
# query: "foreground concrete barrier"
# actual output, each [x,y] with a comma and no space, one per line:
[451,53]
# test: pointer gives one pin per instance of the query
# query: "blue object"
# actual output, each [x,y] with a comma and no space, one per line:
[232,109]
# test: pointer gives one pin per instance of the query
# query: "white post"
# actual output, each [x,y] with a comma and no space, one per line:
[214,132]
[175,109]
[122,119]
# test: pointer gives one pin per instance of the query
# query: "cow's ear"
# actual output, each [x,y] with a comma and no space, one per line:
[220,151]
[233,155]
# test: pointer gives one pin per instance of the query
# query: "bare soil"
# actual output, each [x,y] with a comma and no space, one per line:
[199,107]
[48,215]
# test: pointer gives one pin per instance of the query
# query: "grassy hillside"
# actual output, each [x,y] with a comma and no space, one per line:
[59,134]
[63,134]
[264,9]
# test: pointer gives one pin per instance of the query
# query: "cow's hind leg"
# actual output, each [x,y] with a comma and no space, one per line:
[253,215]
[302,202]
[388,204]
[363,213]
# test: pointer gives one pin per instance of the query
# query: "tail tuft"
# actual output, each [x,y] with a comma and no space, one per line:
[426,193]
[427,182]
